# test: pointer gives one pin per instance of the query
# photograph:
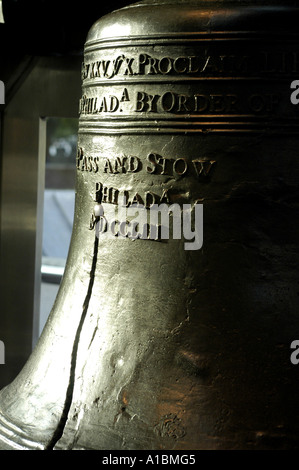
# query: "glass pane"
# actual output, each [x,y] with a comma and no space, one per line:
[59,202]
[61,153]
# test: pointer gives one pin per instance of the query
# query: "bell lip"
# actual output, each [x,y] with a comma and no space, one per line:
[13,437]
[207,16]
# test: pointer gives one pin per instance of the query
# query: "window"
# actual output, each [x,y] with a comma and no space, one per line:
[59,201]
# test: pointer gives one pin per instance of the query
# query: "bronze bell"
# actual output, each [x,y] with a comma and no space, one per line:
[161,341]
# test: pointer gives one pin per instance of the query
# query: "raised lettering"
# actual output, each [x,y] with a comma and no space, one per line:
[203,167]
[180,166]
[107,166]
[124,96]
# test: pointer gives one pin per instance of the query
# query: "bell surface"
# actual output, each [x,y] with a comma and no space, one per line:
[176,340]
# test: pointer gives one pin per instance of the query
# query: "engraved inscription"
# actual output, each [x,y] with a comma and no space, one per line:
[103,104]
[205,64]
[179,103]
[155,164]
[123,164]
[187,82]
[111,195]
[171,102]
[145,64]
[164,166]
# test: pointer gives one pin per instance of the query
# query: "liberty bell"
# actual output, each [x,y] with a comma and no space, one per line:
[177,319]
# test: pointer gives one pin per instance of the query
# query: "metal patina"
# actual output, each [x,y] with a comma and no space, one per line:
[150,345]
